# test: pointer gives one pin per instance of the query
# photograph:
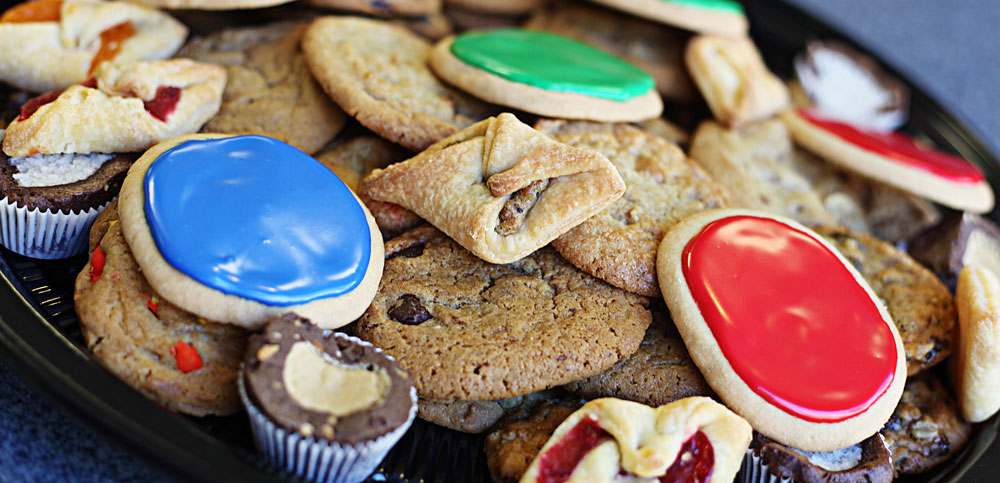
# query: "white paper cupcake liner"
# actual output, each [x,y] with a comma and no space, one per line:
[755,470]
[45,234]
[317,459]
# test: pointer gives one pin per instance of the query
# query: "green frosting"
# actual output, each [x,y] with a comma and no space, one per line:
[551,62]
[727,5]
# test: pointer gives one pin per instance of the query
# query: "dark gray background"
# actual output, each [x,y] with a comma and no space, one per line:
[949,48]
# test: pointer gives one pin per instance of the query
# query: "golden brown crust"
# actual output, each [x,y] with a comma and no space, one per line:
[461,184]
[465,329]
[133,342]
[377,72]
[921,306]
[704,349]
[975,367]
[44,56]
[662,186]
[733,79]
[493,88]
[67,124]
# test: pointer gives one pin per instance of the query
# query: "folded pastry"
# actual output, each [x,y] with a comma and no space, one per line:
[51,44]
[500,188]
[732,77]
[125,107]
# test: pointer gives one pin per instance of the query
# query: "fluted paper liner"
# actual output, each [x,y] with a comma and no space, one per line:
[755,470]
[45,234]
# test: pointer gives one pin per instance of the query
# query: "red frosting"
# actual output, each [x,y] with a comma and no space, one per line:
[901,149]
[790,318]
[697,468]
[187,356]
[164,103]
[558,462]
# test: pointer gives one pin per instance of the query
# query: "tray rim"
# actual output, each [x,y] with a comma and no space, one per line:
[126,418]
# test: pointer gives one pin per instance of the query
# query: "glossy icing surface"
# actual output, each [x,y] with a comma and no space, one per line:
[724,5]
[901,149]
[254,217]
[551,62]
[792,321]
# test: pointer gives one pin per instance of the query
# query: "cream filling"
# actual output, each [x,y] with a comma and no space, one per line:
[56,169]
[838,460]
[320,383]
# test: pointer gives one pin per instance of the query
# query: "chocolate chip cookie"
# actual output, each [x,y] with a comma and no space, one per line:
[661,371]
[466,329]
[269,89]
[662,186]
[926,428]
[920,305]
[183,362]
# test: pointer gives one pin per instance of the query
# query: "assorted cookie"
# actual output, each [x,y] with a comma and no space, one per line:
[47,45]
[926,428]
[546,74]
[722,17]
[867,461]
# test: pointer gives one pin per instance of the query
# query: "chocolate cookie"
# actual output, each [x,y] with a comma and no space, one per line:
[961,239]
[179,360]
[378,73]
[661,371]
[926,428]
[269,89]
[95,190]
[921,306]
[480,416]
[466,329]
[866,461]
[511,448]
[662,187]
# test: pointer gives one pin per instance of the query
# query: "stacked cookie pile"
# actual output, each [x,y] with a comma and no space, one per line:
[490,199]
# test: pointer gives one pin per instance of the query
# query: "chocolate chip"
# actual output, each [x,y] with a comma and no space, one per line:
[408,252]
[408,310]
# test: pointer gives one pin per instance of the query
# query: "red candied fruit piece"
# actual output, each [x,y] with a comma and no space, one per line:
[153,304]
[164,103]
[694,461]
[96,264]
[37,11]
[558,462]
[187,356]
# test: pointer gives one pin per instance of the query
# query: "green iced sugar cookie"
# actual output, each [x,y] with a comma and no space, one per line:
[726,5]
[551,62]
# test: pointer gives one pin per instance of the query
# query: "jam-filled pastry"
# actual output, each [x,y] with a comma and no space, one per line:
[500,188]
[52,44]
[783,327]
[124,107]
[733,79]
[240,238]
[693,439]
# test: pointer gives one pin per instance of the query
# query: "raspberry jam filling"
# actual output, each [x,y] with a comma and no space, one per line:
[37,11]
[112,39]
[694,461]
[29,108]
[164,103]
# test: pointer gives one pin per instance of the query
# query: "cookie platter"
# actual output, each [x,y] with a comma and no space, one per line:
[41,340]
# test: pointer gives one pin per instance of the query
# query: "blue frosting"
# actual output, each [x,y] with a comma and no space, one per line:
[254,217]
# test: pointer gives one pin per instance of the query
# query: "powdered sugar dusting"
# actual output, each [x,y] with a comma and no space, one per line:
[56,169]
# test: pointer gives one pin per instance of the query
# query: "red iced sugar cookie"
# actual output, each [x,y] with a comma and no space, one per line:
[894,159]
[783,328]
[694,439]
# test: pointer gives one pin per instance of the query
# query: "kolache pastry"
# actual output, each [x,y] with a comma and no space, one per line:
[975,366]
[500,188]
[692,439]
[926,428]
[378,73]
[47,45]
[893,158]
[183,362]
[326,406]
[656,49]
[921,307]
[817,367]
[269,89]
[249,238]
[721,17]
[749,163]
[662,186]
[546,74]
[867,461]
[733,79]
[469,330]
[961,239]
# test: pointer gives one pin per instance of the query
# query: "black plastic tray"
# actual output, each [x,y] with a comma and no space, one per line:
[40,340]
